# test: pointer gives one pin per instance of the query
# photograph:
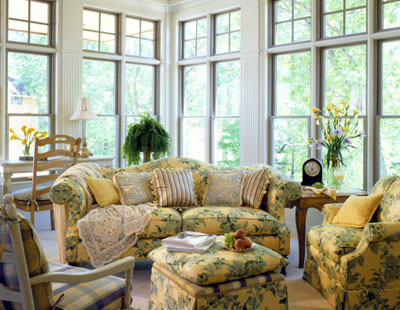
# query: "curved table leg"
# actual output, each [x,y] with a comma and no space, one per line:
[301,215]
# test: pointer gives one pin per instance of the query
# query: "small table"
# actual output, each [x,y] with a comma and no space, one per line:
[309,200]
[9,167]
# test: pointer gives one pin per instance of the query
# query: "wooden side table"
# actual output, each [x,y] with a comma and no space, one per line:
[309,200]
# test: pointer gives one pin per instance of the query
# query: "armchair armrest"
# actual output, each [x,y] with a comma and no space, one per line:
[375,261]
[329,211]
[124,264]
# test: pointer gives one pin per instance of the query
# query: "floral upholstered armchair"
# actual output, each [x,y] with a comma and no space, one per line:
[358,268]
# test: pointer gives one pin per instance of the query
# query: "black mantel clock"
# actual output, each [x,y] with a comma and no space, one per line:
[312,172]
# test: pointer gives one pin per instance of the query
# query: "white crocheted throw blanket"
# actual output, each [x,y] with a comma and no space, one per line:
[109,232]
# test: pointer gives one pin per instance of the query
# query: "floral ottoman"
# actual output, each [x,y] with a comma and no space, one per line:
[218,279]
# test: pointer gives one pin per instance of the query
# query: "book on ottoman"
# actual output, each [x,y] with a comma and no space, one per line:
[189,241]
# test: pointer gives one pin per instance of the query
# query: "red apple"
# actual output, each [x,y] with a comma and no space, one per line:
[239,234]
[247,243]
[239,244]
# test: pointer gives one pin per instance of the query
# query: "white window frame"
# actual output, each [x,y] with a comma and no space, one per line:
[210,61]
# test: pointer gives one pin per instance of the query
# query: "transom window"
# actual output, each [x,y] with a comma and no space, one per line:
[389,13]
[99,31]
[227,32]
[292,21]
[344,17]
[140,37]
[194,38]
[29,21]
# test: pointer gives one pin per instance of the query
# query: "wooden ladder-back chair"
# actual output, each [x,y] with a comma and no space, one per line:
[53,159]
[28,281]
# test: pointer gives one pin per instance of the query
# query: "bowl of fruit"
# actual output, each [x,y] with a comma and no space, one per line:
[237,241]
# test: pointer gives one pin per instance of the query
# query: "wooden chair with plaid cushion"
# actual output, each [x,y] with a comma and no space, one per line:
[28,281]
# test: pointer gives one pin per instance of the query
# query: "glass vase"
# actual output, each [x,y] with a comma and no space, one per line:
[26,150]
[335,177]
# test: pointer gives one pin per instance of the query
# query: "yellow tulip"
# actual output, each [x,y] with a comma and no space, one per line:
[44,134]
[12,131]
[23,128]
[24,142]
[345,103]
[345,128]
[329,107]
[13,137]
[30,130]
[36,133]
[355,112]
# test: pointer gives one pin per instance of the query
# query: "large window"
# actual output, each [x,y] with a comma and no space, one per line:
[99,85]
[29,21]
[121,83]
[389,108]
[28,95]
[291,112]
[210,112]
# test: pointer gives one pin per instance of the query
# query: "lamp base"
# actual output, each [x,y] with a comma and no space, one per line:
[84,152]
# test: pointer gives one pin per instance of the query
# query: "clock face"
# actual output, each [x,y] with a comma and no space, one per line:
[312,168]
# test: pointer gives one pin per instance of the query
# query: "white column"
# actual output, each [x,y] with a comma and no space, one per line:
[252,111]
[69,88]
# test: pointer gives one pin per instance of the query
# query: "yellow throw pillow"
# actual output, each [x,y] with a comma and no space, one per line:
[104,191]
[357,211]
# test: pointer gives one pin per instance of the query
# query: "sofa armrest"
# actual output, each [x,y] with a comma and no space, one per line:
[281,193]
[376,260]
[70,193]
[329,211]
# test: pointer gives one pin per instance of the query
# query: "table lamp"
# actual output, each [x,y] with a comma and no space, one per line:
[83,112]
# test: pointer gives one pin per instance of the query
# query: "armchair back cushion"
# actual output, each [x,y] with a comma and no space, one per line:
[389,210]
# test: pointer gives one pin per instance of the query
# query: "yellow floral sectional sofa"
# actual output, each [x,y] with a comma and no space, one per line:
[265,226]
[358,268]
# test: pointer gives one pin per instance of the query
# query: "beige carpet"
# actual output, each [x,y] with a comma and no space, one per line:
[302,296]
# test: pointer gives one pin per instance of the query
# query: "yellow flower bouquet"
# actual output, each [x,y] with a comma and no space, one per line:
[30,135]
[339,129]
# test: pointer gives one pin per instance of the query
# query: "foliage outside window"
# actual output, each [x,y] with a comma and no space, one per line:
[390,14]
[99,85]
[29,21]
[194,38]
[291,115]
[99,31]
[292,21]
[28,99]
[140,37]
[227,33]
[344,17]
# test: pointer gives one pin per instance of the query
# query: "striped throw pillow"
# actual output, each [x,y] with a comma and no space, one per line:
[255,187]
[173,187]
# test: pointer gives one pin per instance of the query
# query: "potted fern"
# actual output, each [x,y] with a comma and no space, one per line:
[148,137]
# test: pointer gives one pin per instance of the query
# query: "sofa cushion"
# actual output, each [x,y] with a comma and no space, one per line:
[219,220]
[133,188]
[334,240]
[164,222]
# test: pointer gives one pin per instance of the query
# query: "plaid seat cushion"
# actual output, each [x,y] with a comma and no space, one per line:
[37,264]
[105,293]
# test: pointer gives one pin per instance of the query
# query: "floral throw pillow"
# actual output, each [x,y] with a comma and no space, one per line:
[224,188]
[133,188]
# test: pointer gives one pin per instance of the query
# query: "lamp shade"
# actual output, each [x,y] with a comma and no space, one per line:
[83,111]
